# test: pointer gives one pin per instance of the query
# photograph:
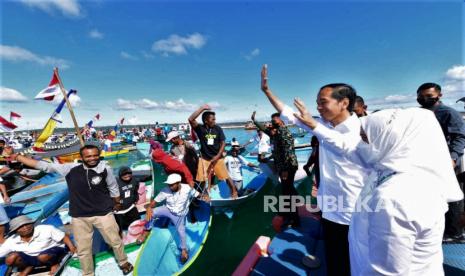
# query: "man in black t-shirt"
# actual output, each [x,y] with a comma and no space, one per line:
[212,143]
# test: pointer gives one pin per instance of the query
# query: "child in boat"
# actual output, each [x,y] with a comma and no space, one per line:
[177,197]
[234,164]
[29,246]
[128,190]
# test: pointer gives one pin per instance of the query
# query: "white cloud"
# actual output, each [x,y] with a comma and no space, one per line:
[177,105]
[454,83]
[456,73]
[147,55]
[10,95]
[126,55]
[74,99]
[122,104]
[147,104]
[18,54]
[69,8]
[95,34]
[255,52]
[179,45]
[134,121]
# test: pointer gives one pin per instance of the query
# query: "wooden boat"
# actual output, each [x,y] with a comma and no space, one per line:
[250,126]
[253,181]
[40,199]
[160,254]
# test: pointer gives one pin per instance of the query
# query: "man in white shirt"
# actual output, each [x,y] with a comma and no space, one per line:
[234,164]
[341,178]
[31,246]
[177,197]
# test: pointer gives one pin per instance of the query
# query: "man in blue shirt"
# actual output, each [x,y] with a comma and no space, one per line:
[453,127]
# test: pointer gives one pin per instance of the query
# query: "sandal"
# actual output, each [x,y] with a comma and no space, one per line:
[127,268]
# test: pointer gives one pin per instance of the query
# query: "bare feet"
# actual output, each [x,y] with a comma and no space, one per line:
[184,256]
[26,271]
[54,268]
[234,195]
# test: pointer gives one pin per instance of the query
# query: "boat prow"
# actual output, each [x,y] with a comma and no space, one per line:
[160,254]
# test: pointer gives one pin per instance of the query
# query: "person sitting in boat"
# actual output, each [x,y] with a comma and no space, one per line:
[32,246]
[234,164]
[177,197]
[12,179]
[171,164]
[128,190]
[183,151]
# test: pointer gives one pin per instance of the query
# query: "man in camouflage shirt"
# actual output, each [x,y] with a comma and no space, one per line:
[285,160]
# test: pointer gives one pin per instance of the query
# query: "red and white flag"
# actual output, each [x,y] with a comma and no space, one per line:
[51,91]
[6,126]
[14,116]
[97,117]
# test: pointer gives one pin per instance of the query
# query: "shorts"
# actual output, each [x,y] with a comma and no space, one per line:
[3,216]
[124,220]
[219,170]
[56,253]
[238,184]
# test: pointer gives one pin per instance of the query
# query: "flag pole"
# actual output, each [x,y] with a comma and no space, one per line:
[68,104]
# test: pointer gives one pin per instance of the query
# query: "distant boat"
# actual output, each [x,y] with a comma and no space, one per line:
[250,126]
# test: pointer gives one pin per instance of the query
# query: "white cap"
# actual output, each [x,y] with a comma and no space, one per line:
[173,178]
[234,144]
[172,135]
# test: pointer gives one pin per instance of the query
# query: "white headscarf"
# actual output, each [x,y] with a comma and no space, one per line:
[411,141]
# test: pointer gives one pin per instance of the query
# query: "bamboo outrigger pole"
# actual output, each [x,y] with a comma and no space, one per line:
[68,104]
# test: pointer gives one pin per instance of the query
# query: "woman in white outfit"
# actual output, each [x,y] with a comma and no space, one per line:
[400,233]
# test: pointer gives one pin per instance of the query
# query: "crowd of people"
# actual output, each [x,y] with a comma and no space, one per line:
[384,156]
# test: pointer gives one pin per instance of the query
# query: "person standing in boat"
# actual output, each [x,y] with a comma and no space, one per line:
[453,127]
[177,197]
[183,151]
[335,104]
[234,163]
[212,143]
[93,195]
[285,160]
[313,162]
[32,246]
[129,193]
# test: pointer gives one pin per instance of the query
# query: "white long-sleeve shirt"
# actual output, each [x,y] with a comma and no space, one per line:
[341,179]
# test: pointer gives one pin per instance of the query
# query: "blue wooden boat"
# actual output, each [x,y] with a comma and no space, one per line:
[253,182]
[160,254]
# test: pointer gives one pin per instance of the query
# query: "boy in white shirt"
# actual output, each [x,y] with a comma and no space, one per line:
[234,164]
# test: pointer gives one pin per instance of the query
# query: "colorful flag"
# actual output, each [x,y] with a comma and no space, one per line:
[14,116]
[6,126]
[51,91]
[51,123]
[91,122]
[97,117]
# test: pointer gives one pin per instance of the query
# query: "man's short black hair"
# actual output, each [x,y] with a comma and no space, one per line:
[89,146]
[277,114]
[2,141]
[359,100]
[428,85]
[342,91]
[207,114]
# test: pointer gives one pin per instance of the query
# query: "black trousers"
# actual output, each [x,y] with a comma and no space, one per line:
[124,220]
[453,215]
[336,248]
[288,189]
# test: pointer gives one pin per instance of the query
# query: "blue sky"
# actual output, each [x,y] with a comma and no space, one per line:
[153,61]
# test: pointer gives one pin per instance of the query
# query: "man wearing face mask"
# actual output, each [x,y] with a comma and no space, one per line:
[93,195]
[453,127]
